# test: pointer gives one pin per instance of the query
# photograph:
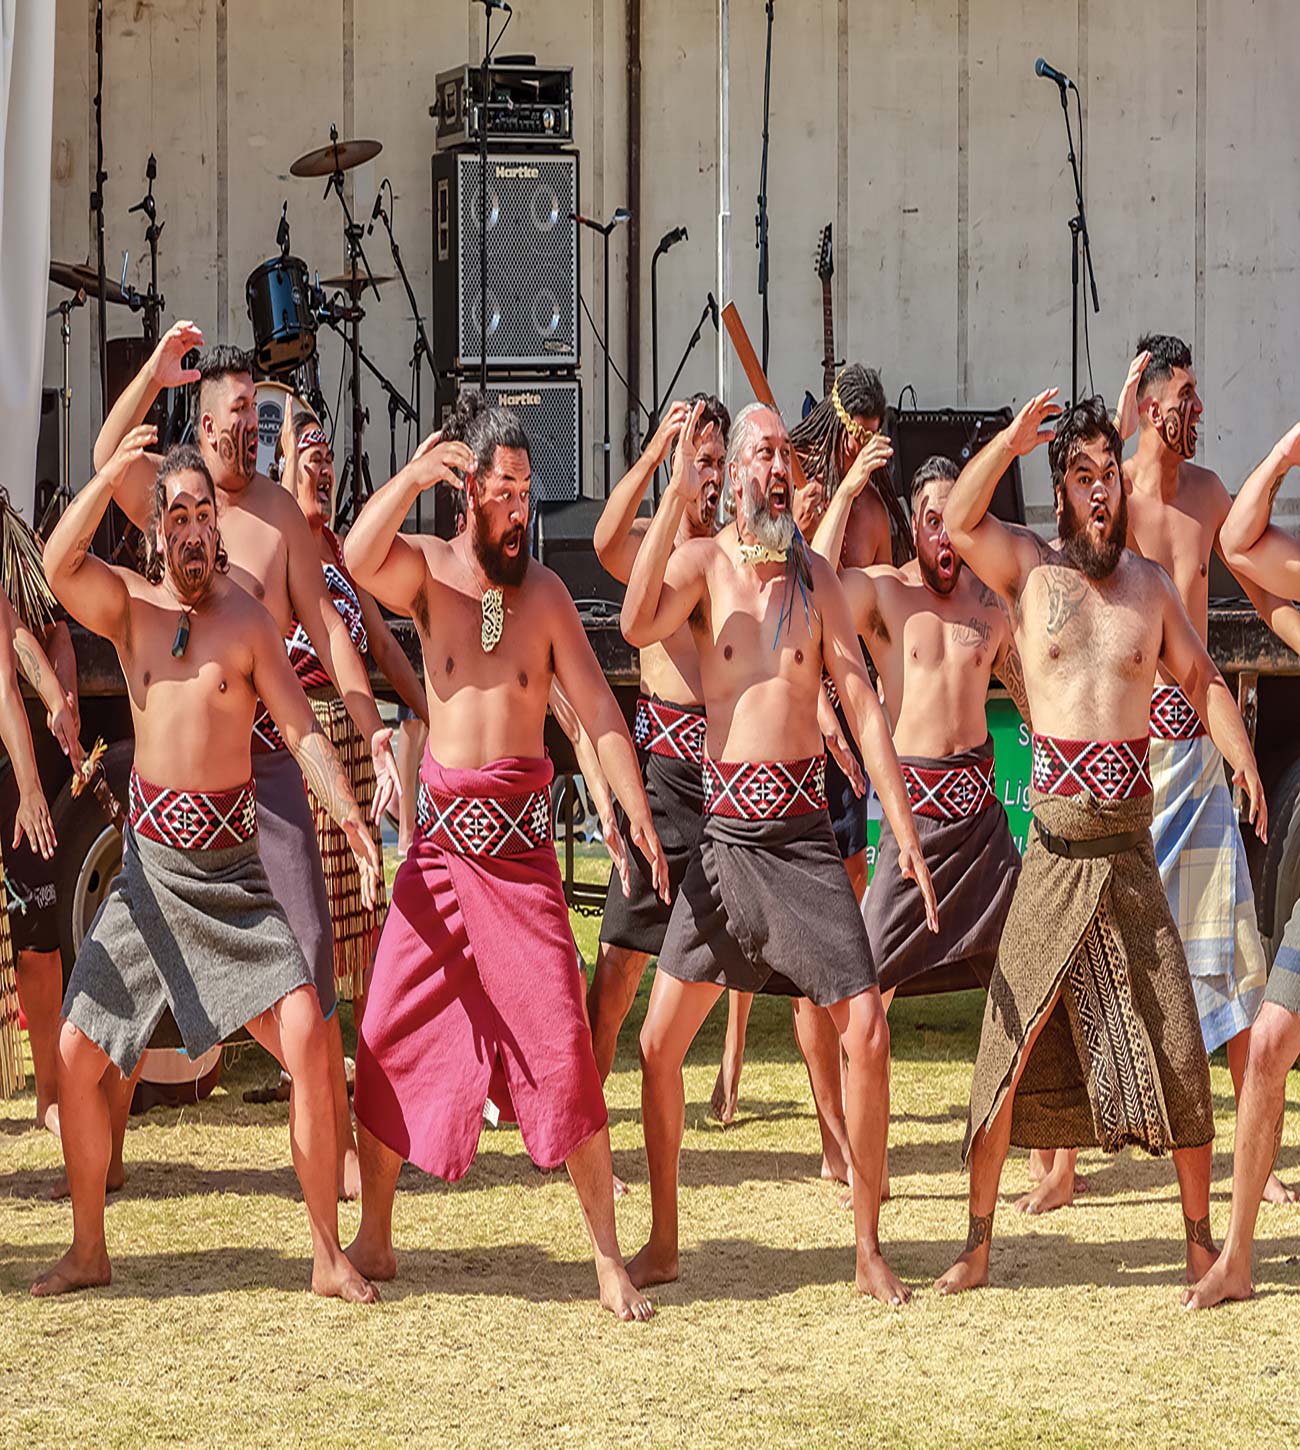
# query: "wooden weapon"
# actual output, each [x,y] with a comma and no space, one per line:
[753,370]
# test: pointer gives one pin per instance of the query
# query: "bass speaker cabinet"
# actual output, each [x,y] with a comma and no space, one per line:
[532,261]
[550,410]
[956,433]
[564,543]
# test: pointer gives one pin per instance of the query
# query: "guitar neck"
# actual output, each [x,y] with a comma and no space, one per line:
[828,339]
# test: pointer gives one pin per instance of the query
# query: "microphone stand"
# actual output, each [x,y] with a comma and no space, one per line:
[664,244]
[420,350]
[153,298]
[1078,240]
[63,493]
[97,208]
[690,348]
[485,85]
[760,221]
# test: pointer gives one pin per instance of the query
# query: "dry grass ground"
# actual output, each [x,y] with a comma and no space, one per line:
[491,1334]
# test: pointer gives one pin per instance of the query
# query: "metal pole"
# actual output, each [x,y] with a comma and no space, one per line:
[724,184]
[608,229]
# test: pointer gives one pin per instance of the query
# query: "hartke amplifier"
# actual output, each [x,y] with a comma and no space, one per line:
[959,434]
[532,264]
[550,410]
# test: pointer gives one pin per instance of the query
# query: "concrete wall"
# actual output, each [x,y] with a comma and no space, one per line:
[917,126]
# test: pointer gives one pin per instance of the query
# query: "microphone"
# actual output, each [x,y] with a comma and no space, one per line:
[713,310]
[670,239]
[1041,68]
[497,5]
[282,231]
[376,209]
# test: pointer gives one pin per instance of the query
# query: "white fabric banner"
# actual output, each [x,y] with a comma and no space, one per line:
[26,131]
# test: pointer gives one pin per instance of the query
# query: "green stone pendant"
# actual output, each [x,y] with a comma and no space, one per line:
[180,643]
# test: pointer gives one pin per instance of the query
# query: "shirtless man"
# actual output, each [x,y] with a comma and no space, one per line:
[766,615]
[275,558]
[1261,551]
[477,993]
[1091,1001]
[190,922]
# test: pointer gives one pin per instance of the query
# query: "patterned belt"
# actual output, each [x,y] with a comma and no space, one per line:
[1111,770]
[1173,716]
[663,729]
[192,820]
[484,825]
[952,794]
[764,791]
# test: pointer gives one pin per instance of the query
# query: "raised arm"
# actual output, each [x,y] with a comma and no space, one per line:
[380,558]
[1189,662]
[586,689]
[89,589]
[1126,410]
[828,541]
[665,584]
[615,537]
[33,818]
[283,697]
[163,370]
[1253,546]
[1001,554]
[843,661]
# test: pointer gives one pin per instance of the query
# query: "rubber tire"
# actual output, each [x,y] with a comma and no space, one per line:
[80,823]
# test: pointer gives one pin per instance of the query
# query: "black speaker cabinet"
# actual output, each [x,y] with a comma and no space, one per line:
[956,433]
[550,410]
[564,543]
[532,262]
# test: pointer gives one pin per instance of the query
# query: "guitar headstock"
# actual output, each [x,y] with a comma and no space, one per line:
[825,262]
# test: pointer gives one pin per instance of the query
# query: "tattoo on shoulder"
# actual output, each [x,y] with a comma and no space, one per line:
[980,1231]
[1030,537]
[1065,593]
[1198,1232]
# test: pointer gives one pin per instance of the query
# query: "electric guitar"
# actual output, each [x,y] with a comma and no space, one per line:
[824,264]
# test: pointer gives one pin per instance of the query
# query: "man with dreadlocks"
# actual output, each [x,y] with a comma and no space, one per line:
[766,852]
[1090,1034]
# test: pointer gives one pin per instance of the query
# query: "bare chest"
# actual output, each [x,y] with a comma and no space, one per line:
[1068,624]
[758,631]
[259,561]
[1181,543]
[455,641]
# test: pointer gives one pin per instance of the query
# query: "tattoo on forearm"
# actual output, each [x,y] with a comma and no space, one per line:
[1198,1232]
[1277,1137]
[324,773]
[1065,592]
[980,1231]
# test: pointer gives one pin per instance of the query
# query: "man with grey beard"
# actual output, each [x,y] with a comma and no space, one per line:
[767,851]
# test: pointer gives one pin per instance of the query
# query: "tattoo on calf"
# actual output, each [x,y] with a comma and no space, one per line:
[1198,1232]
[980,1231]
[1065,591]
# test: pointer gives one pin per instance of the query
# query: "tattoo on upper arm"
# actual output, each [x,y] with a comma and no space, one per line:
[1011,673]
[29,663]
[324,772]
[1065,593]
[980,1231]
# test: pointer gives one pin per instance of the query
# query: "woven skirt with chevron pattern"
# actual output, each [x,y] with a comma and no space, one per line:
[1120,1060]
[973,863]
[354,925]
[12,1072]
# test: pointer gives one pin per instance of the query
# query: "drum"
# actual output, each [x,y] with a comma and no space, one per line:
[272,399]
[279,307]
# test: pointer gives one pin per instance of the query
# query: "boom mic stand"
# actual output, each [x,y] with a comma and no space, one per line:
[1078,241]
[153,298]
[760,220]
[710,311]
[63,493]
[97,209]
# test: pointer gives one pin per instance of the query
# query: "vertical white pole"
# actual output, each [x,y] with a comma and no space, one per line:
[724,189]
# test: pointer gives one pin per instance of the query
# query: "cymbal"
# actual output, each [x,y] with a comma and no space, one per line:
[74,275]
[344,281]
[337,156]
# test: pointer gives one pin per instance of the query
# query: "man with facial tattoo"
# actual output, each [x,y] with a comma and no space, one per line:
[767,891]
[1090,1035]
[274,557]
[190,923]
[1176,509]
[669,725]
[477,994]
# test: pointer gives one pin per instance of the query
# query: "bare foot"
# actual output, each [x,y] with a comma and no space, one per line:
[652,1267]
[114,1183]
[350,1176]
[971,1271]
[621,1190]
[834,1168]
[1200,1261]
[375,1261]
[1055,1191]
[875,1277]
[340,1279]
[725,1094]
[48,1118]
[1223,1282]
[74,1271]
[1275,1191]
[620,1296]
[1040,1163]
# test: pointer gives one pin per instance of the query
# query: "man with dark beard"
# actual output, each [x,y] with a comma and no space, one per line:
[669,725]
[190,923]
[477,993]
[767,891]
[1090,1032]
[274,557]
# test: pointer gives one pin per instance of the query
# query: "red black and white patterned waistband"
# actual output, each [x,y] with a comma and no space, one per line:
[191,820]
[484,825]
[764,790]
[952,793]
[664,729]
[1173,716]
[1110,770]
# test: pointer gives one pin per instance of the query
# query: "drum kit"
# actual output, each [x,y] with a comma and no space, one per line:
[288,308]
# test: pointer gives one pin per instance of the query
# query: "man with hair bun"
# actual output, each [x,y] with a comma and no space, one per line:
[1090,1036]
[477,993]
